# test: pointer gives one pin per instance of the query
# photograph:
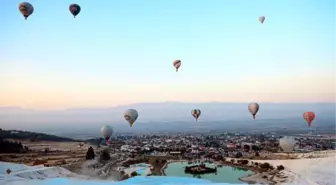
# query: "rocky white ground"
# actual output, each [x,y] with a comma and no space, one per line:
[315,171]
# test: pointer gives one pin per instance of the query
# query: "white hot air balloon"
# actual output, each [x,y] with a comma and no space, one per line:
[131,115]
[253,108]
[106,131]
[287,143]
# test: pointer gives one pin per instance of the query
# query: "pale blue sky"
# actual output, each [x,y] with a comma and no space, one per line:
[114,46]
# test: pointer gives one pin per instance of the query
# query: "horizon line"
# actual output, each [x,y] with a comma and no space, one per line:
[133,104]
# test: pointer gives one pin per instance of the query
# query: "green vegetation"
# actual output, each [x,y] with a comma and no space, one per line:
[11,147]
[32,136]
[280,167]
[105,155]
[94,141]
[90,154]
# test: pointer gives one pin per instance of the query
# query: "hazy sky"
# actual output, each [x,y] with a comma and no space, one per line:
[121,51]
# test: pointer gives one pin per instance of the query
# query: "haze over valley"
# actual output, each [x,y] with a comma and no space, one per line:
[168,117]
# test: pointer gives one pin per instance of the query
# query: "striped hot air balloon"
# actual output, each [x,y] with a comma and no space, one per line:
[177,64]
[196,113]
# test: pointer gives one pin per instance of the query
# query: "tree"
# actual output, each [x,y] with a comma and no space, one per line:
[280,167]
[239,155]
[245,162]
[90,154]
[46,150]
[105,155]
[133,174]
[255,148]
[152,161]
[265,165]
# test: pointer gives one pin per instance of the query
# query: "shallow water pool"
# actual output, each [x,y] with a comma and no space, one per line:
[225,174]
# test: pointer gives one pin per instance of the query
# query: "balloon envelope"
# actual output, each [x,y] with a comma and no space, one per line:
[261,19]
[287,143]
[253,108]
[131,115]
[196,113]
[74,9]
[177,64]
[106,131]
[26,9]
[309,117]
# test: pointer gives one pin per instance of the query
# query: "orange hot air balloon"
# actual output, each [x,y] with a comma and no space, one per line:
[309,117]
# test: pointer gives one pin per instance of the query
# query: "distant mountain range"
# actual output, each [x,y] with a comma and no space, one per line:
[168,116]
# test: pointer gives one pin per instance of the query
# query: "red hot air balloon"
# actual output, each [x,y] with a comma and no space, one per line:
[74,9]
[309,117]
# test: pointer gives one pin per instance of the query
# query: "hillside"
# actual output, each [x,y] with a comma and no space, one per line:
[32,136]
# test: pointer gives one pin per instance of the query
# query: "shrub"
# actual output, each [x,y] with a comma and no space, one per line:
[63,161]
[90,154]
[244,162]
[239,155]
[280,167]
[133,174]
[265,165]
[232,160]
[8,171]
[105,155]
[256,164]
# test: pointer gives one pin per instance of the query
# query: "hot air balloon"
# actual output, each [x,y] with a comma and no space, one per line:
[309,117]
[253,108]
[177,64]
[107,132]
[74,9]
[261,19]
[131,115]
[287,143]
[26,9]
[196,113]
